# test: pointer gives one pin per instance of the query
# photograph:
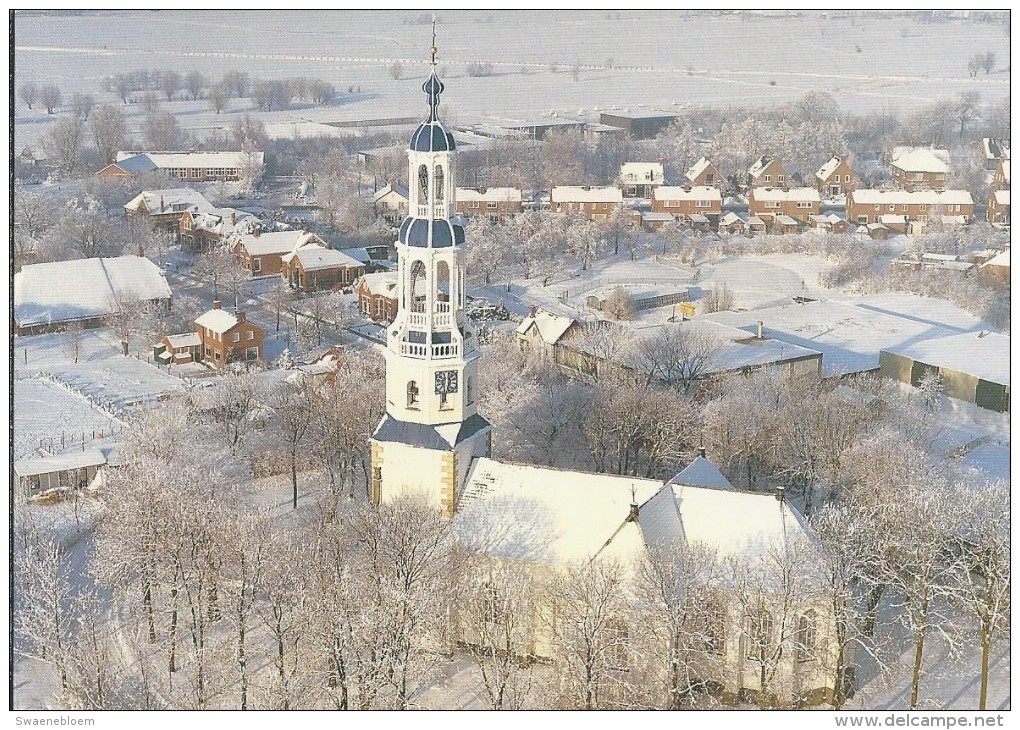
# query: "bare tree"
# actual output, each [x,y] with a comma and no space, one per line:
[108,131]
[718,299]
[64,144]
[619,304]
[219,95]
[290,405]
[29,93]
[44,617]
[50,97]
[170,83]
[676,355]
[82,105]
[161,131]
[234,399]
[194,82]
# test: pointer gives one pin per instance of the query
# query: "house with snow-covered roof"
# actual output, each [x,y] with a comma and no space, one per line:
[973,366]
[496,204]
[189,166]
[541,331]
[45,300]
[639,179]
[767,172]
[996,270]
[919,168]
[798,204]
[391,203]
[310,267]
[702,173]
[594,203]
[835,177]
[165,208]
[228,337]
[864,206]
[685,202]
[201,231]
[377,296]
[1000,178]
[994,151]
[261,253]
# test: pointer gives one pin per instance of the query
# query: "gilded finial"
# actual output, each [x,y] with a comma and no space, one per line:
[434,50]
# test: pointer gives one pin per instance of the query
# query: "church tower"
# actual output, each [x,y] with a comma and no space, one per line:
[432,429]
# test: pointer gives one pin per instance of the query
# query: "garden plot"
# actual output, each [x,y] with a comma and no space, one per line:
[50,419]
[120,384]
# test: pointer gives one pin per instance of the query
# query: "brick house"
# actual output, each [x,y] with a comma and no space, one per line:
[314,268]
[866,206]
[377,296]
[228,338]
[497,204]
[190,166]
[203,230]
[703,173]
[919,168]
[165,208]
[595,203]
[1000,180]
[391,203]
[262,253]
[994,151]
[831,223]
[997,212]
[704,201]
[796,203]
[639,179]
[180,349]
[767,172]
[835,177]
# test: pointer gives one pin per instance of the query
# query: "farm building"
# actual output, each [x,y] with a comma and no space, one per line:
[44,303]
[973,366]
[73,470]
[638,126]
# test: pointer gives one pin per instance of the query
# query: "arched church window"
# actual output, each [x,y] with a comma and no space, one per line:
[423,184]
[412,394]
[807,633]
[761,629]
[439,184]
[443,282]
[417,290]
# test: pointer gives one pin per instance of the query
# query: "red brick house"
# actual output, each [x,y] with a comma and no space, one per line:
[865,206]
[796,203]
[262,253]
[993,151]
[180,349]
[497,204]
[835,177]
[919,168]
[639,179]
[1000,180]
[704,173]
[201,231]
[997,212]
[377,296]
[595,203]
[228,338]
[165,208]
[705,201]
[767,172]
[314,268]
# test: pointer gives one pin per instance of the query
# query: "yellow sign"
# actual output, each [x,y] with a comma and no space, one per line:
[688,309]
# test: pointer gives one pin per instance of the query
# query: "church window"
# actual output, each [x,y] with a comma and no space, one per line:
[412,394]
[617,640]
[423,185]
[469,387]
[439,183]
[442,282]
[760,630]
[807,633]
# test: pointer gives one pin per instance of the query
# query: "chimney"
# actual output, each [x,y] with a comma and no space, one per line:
[161,205]
[240,316]
[760,323]
[257,231]
[532,311]
[217,304]
[233,218]
[780,493]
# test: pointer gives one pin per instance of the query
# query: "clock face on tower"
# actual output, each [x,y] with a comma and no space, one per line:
[446,382]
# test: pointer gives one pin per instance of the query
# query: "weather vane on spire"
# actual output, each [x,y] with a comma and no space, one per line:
[434,50]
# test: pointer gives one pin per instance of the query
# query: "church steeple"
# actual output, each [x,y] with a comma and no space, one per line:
[431,348]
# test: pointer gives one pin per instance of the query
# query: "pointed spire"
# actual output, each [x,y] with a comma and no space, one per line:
[434,50]
[433,87]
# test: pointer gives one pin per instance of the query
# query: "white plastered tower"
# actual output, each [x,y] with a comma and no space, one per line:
[432,429]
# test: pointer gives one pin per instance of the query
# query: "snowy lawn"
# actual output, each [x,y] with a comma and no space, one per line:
[48,418]
[123,384]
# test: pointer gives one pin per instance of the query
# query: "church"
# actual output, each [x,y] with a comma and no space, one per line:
[434,443]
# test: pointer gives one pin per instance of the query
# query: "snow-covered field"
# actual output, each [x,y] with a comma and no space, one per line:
[632,60]
[49,418]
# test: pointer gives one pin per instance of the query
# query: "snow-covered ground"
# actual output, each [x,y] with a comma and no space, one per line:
[49,419]
[627,60]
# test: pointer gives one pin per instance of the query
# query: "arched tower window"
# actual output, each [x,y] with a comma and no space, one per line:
[417,291]
[443,285]
[423,185]
[439,185]
[412,394]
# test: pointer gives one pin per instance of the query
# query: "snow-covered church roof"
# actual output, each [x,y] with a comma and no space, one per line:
[702,473]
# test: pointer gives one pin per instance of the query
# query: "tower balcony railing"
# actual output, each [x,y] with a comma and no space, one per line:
[420,320]
[417,319]
[450,349]
[440,319]
[442,306]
